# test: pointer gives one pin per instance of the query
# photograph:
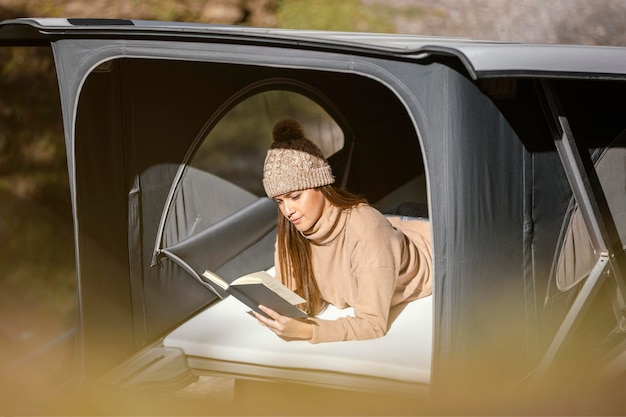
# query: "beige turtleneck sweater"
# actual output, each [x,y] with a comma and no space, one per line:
[362,259]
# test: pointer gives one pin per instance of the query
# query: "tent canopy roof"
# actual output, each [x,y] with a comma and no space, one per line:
[480,58]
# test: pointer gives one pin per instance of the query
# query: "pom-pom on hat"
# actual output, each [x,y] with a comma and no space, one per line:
[293,162]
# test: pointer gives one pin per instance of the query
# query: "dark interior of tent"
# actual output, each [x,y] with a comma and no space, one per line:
[140,124]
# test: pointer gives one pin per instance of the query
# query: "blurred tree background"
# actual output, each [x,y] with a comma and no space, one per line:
[37,279]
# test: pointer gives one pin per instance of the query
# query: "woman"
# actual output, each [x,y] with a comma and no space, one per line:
[332,247]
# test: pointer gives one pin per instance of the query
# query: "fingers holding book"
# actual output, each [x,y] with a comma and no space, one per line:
[284,327]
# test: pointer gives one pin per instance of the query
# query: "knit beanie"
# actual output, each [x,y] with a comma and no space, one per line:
[293,162]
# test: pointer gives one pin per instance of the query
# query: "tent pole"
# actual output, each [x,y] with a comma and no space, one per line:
[597,217]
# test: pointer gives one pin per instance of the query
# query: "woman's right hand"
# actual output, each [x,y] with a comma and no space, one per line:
[285,327]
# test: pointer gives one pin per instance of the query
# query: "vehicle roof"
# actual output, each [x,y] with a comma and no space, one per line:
[481,58]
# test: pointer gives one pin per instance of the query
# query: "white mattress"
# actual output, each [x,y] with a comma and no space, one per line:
[224,332]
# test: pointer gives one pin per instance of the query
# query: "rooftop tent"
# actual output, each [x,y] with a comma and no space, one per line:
[489,126]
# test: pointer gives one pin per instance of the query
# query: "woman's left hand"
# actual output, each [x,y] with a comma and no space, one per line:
[286,328]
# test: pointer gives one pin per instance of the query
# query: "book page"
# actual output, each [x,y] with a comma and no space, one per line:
[274,285]
[271,283]
[215,279]
[253,278]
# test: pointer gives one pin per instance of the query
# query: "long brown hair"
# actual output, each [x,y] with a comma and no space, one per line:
[294,251]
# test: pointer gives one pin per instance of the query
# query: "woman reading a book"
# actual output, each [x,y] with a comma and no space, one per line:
[333,247]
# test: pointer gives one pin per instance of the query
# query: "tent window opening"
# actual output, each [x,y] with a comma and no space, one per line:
[235,149]
[576,257]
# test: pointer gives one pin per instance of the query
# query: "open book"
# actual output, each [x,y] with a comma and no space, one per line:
[260,288]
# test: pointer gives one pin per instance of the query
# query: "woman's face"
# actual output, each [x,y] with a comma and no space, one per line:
[302,208]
